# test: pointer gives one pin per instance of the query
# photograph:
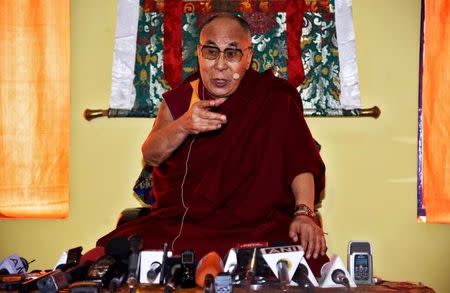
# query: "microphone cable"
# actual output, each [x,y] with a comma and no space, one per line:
[186,208]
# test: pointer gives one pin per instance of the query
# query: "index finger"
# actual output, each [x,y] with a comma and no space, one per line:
[206,114]
[211,103]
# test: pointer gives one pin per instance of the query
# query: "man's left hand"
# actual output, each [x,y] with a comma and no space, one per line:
[312,237]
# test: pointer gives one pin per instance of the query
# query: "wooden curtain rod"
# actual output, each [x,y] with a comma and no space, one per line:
[373,112]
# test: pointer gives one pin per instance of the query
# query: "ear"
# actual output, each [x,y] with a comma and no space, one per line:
[199,51]
[249,58]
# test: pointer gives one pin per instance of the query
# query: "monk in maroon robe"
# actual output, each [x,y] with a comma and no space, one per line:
[233,157]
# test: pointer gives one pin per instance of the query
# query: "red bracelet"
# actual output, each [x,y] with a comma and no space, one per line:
[304,210]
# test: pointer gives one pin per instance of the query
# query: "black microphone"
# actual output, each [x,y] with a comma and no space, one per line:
[301,277]
[113,266]
[59,280]
[136,243]
[163,264]
[174,280]
[338,276]
[208,284]
[155,269]
[118,248]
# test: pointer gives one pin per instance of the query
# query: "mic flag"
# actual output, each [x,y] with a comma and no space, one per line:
[283,257]
[13,264]
[335,274]
[303,276]
[150,271]
[231,263]
[210,264]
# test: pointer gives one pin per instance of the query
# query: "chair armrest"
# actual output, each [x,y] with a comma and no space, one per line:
[130,214]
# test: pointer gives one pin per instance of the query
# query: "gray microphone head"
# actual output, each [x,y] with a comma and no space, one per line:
[236,75]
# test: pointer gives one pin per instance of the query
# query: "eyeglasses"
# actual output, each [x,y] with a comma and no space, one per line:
[231,54]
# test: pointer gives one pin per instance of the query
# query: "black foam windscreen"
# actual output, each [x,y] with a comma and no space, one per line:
[118,248]
[301,276]
[302,269]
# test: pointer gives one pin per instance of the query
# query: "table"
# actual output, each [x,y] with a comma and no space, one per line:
[385,286]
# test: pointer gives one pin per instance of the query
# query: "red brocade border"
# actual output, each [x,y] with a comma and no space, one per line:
[294,25]
[172,41]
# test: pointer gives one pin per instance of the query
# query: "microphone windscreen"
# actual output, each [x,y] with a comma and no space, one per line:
[324,269]
[14,264]
[118,248]
[136,243]
[209,264]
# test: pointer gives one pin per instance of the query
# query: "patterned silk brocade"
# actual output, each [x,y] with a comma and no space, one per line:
[302,50]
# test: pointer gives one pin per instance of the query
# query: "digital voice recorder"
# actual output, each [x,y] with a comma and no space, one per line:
[359,262]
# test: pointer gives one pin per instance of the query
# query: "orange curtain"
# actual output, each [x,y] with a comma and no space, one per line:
[34,108]
[436,111]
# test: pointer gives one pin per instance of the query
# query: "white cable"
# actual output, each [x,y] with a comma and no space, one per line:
[186,208]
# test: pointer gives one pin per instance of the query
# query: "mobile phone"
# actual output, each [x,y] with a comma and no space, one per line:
[187,269]
[223,283]
[359,262]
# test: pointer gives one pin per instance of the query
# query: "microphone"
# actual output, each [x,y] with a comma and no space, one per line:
[335,274]
[338,276]
[174,280]
[13,264]
[59,280]
[283,274]
[251,268]
[283,261]
[301,277]
[211,264]
[154,270]
[113,265]
[236,76]
[118,248]
[208,284]
[136,243]
[163,263]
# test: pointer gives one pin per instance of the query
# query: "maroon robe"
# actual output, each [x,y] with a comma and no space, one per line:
[238,184]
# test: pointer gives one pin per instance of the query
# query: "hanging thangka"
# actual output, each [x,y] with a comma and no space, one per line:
[299,40]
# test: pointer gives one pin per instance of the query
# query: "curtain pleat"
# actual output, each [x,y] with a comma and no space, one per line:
[436,111]
[34,108]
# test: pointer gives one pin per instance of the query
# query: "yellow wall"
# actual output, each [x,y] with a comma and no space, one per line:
[371,164]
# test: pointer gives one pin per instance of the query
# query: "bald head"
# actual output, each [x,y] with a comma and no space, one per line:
[228,17]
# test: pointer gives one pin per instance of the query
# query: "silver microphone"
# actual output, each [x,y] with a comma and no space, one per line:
[236,76]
